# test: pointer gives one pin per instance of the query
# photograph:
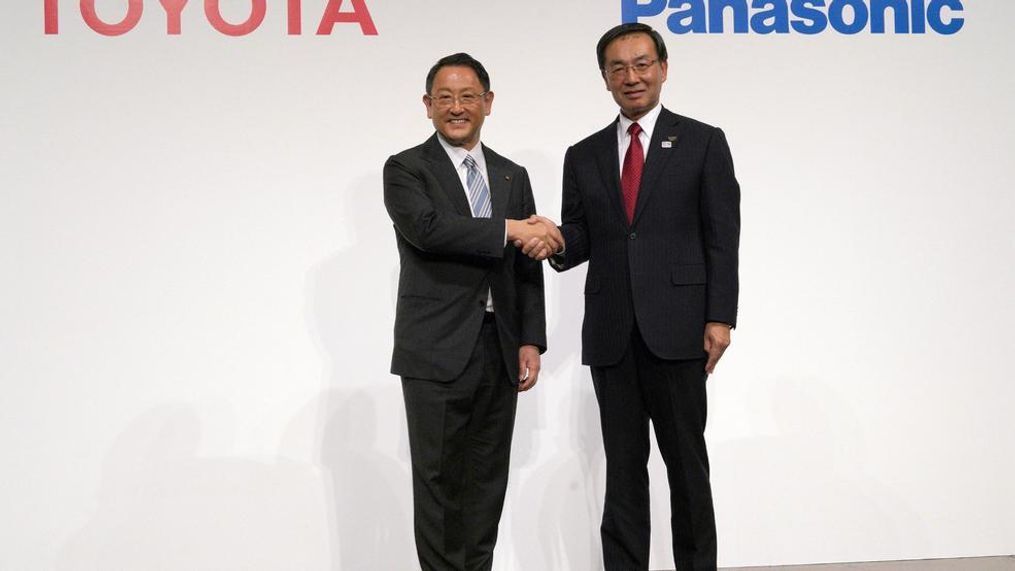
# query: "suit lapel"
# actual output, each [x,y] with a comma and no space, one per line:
[499,174]
[609,167]
[447,175]
[667,131]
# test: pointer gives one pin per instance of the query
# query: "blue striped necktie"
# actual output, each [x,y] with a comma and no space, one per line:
[479,194]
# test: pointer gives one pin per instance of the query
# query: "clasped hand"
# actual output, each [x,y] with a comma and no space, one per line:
[538,237]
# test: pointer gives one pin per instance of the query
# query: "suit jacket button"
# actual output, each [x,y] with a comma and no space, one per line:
[632,235]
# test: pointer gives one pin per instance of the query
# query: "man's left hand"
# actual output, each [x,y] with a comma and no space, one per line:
[717,339]
[528,367]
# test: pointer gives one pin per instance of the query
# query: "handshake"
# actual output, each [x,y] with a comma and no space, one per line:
[537,237]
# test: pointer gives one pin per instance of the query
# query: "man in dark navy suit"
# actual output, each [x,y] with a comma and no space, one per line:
[651,202]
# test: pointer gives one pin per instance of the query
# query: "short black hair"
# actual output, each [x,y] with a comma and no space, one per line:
[459,59]
[626,30]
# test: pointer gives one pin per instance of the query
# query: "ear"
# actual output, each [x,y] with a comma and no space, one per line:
[664,66]
[427,103]
[488,103]
[606,80]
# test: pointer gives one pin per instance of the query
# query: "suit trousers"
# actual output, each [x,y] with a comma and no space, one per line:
[460,443]
[639,388]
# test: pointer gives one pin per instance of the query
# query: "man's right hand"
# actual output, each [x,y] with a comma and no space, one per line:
[538,237]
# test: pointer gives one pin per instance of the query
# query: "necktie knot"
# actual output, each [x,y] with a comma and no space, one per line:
[634,130]
[470,163]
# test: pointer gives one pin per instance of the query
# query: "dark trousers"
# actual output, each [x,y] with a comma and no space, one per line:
[672,394]
[460,443]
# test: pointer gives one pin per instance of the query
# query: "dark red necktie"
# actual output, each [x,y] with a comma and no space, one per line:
[630,178]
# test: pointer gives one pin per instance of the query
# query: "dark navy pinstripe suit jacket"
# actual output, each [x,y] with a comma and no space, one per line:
[672,269]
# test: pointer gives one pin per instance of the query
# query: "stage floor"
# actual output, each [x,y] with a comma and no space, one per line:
[1004,563]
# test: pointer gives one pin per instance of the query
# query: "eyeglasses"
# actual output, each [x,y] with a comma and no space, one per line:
[446,100]
[619,70]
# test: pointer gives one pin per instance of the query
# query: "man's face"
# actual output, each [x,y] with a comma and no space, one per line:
[457,105]
[633,74]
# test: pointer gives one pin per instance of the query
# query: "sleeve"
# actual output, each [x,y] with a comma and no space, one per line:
[572,221]
[720,216]
[529,276]
[407,197]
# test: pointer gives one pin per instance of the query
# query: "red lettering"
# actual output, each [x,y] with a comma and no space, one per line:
[333,14]
[359,15]
[295,18]
[52,17]
[134,10]
[174,9]
[257,11]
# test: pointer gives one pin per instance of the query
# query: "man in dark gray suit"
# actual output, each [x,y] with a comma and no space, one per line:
[651,202]
[469,324]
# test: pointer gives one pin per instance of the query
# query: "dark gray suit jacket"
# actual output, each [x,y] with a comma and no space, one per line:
[675,267]
[449,260]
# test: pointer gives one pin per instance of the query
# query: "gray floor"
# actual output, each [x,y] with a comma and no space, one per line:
[1006,563]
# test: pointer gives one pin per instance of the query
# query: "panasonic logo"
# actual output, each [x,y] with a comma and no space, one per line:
[802,16]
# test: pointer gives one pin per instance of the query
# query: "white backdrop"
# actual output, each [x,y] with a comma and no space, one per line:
[198,282]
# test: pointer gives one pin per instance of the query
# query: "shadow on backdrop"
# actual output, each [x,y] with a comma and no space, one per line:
[564,495]
[360,417]
[815,477]
[162,506]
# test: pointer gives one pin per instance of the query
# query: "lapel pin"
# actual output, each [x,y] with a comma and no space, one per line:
[507,177]
[667,144]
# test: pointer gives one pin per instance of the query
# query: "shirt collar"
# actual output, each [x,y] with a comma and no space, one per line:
[458,154]
[647,122]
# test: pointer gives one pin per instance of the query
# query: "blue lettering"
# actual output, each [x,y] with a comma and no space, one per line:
[778,16]
[631,10]
[695,12]
[804,10]
[899,15]
[939,25]
[919,17]
[838,20]
[715,16]
[807,17]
